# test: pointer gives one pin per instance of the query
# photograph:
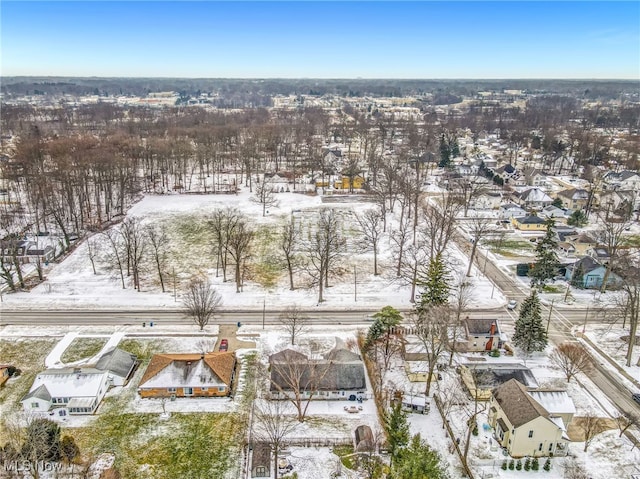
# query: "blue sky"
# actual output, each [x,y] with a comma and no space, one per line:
[454,39]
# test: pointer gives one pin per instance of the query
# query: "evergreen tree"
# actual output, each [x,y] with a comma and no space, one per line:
[445,153]
[418,461]
[547,262]
[530,334]
[557,202]
[577,278]
[397,428]
[577,218]
[436,284]
[382,328]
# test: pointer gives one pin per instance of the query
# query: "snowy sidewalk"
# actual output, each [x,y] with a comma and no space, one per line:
[53,359]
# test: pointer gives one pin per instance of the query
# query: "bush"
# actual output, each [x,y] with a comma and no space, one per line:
[527,464]
[475,430]
[547,465]
[504,465]
[13,372]
[512,465]
[494,353]
[519,465]
[535,464]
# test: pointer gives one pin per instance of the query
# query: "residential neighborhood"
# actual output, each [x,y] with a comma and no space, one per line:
[306,240]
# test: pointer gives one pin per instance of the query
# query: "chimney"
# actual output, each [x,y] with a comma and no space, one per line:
[492,331]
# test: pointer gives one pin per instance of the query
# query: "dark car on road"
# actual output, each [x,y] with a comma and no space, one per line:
[636,397]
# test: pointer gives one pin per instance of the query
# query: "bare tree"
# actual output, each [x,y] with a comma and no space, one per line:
[159,249]
[462,299]
[201,301]
[438,224]
[478,229]
[274,421]
[294,321]
[265,195]
[298,378]
[612,238]
[289,242]
[400,240]
[115,254]
[571,358]
[625,421]
[468,189]
[134,238]
[92,253]
[324,248]
[370,223]
[431,326]
[239,238]
[591,426]
[628,301]
[574,470]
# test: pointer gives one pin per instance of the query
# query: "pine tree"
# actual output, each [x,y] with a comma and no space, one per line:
[436,284]
[530,334]
[418,461]
[577,278]
[397,428]
[547,262]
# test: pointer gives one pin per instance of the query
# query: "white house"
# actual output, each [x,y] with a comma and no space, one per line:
[530,422]
[75,390]
[511,210]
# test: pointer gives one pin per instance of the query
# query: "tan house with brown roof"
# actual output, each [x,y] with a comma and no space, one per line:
[524,426]
[188,375]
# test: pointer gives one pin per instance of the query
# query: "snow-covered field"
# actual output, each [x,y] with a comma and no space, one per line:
[72,284]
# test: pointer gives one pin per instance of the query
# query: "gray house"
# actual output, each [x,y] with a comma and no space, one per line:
[338,375]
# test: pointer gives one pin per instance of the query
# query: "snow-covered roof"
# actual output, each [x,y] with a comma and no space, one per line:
[117,362]
[556,402]
[85,382]
[189,370]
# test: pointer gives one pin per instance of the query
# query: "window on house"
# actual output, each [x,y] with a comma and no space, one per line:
[188,391]
[530,433]
[540,447]
[171,390]
[34,404]
[550,447]
[221,389]
[204,389]
[261,471]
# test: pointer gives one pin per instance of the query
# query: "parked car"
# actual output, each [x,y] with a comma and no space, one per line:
[512,304]
[636,397]
[224,345]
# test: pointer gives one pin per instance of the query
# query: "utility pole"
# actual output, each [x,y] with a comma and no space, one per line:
[355,284]
[264,310]
[175,296]
[586,315]
[550,311]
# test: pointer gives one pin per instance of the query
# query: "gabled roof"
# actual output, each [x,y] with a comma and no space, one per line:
[189,369]
[575,194]
[535,194]
[517,404]
[510,206]
[340,370]
[41,392]
[477,326]
[588,264]
[117,362]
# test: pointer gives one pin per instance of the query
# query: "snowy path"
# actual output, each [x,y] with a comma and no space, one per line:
[53,360]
